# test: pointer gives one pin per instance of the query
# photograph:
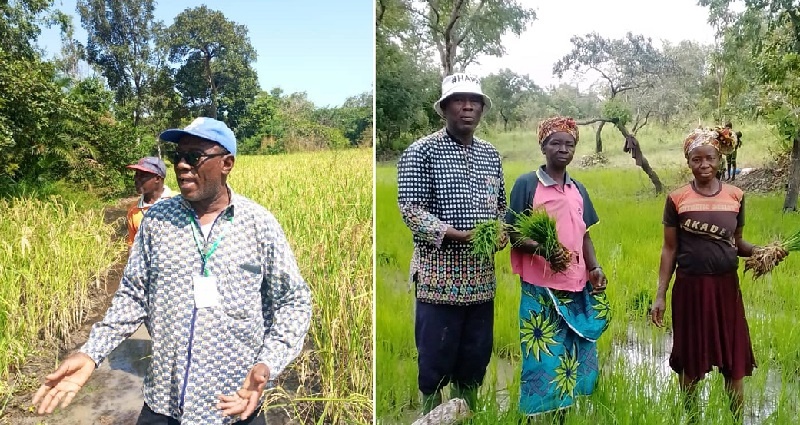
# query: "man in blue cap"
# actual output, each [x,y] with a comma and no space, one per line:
[215,281]
[149,181]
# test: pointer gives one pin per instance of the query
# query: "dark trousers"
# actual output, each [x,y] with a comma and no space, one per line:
[454,344]
[149,417]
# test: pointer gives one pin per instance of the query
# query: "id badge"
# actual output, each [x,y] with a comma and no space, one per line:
[205,291]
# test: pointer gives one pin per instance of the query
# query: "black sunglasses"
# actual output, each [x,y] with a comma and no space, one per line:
[192,158]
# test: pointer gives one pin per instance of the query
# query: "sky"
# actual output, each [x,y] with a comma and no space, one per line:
[548,38]
[324,48]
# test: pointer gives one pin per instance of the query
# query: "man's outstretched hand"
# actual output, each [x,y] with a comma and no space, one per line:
[244,401]
[62,385]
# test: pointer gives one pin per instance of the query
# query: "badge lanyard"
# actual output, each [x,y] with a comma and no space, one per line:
[204,256]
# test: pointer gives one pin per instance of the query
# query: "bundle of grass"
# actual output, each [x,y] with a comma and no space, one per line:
[540,227]
[765,259]
[486,238]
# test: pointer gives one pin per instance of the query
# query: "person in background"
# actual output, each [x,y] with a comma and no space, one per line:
[149,181]
[448,182]
[729,163]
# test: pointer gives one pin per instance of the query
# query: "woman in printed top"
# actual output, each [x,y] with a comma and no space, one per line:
[703,223]
[561,314]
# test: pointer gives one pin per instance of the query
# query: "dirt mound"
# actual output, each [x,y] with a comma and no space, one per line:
[593,160]
[762,180]
[774,176]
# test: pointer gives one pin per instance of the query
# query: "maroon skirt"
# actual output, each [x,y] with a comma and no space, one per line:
[709,326]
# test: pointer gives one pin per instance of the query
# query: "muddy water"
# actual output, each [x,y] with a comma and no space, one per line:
[638,353]
[634,354]
[113,394]
[500,375]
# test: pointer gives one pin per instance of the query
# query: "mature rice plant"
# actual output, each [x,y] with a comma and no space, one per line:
[324,204]
[51,256]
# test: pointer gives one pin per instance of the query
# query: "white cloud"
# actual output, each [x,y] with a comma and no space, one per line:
[547,38]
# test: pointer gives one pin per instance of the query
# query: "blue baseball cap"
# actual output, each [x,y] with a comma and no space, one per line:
[204,128]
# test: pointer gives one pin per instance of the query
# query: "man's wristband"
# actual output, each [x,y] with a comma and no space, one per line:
[595,268]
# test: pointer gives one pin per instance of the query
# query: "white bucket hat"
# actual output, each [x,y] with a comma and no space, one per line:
[461,83]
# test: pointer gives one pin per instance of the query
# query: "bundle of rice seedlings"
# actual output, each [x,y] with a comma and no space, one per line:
[540,227]
[486,238]
[765,259]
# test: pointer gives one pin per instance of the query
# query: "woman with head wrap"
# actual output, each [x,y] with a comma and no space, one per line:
[703,223]
[561,314]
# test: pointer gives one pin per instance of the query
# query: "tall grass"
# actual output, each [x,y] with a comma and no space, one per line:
[636,385]
[51,253]
[324,203]
[661,145]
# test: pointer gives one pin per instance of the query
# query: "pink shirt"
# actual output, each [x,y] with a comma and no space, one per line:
[566,207]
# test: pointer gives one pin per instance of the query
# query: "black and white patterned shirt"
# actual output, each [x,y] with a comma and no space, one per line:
[263,314]
[442,183]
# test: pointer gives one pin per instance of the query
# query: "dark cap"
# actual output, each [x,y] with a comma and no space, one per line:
[152,165]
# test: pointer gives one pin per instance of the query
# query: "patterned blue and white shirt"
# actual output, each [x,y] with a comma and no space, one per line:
[263,313]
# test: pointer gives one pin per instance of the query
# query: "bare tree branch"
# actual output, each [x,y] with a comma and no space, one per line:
[593,120]
[468,25]
[607,78]
[450,46]
[623,89]
[638,125]
[379,11]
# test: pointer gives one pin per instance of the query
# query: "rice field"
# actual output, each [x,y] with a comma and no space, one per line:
[324,204]
[51,256]
[636,385]
[50,253]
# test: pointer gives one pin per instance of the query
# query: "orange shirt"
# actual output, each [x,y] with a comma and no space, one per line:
[706,226]
[137,211]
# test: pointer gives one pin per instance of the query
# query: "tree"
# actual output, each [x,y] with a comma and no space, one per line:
[20,25]
[215,55]
[736,94]
[462,30]
[772,28]
[569,100]
[632,146]
[122,44]
[353,118]
[623,64]
[679,92]
[404,95]
[509,91]
[72,54]
[52,129]
[261,125]
[408,34]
